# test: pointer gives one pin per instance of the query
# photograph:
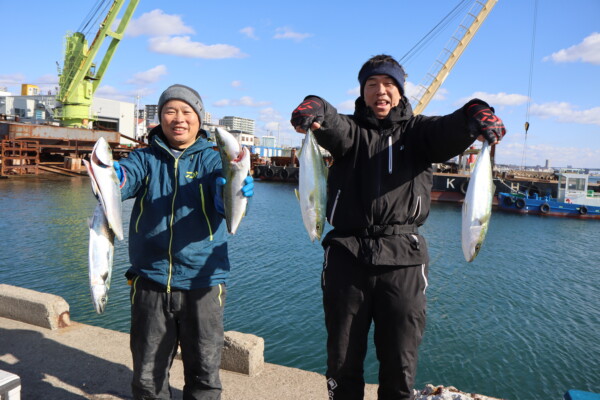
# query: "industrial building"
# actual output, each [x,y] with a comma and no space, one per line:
[33,107]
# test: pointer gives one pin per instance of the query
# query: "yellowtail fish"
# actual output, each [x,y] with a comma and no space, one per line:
[101,250]
[236,167]
[312,187]
[477,206]
[105,185]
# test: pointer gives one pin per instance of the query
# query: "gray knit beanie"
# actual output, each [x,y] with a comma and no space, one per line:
[183,93]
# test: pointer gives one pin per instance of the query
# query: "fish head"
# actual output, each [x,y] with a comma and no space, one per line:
[319,229]
[309,217]
[102,153]
[228,144]
[99,297]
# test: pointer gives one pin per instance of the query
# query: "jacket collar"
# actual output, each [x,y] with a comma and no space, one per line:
[365,115]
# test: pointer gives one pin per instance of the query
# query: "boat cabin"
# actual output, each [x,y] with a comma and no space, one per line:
[573,188]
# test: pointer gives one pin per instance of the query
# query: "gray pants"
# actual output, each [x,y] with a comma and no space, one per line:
[159,322]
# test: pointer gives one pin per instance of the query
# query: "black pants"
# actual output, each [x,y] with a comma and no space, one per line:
[354,294]
[159,322]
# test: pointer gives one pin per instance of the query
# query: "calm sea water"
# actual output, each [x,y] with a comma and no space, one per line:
[520,322]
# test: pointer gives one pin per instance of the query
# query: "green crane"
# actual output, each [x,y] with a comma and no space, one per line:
[79,78]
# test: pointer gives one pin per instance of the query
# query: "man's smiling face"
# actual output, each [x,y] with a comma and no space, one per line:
[381,94]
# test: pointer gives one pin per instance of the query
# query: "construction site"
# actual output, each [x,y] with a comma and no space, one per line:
[54,132]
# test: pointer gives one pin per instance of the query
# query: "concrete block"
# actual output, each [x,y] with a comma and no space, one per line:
[32,307]
[243,353]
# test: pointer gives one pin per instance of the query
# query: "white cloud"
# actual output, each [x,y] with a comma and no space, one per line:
[273,126]
[354,91]
[287,33]
[440,94]
[222,103]
[498,99]
[245,101]
[167,36]
[150,76]
[269,114]
[588,51]
[346,106]
[565,112]
[110,92]
[11,79]
[537,154]
[157,23]
[183,46]
[411,90]
[46,83]
[249,32]
[236,84]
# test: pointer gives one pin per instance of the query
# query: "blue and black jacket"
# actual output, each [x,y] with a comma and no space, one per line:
[176,237]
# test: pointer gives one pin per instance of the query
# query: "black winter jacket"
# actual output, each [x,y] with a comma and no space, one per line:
[379,185]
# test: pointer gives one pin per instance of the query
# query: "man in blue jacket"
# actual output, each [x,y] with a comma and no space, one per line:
[178,251]
[379,192]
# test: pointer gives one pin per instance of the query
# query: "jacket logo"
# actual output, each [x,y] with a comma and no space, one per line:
[191,174]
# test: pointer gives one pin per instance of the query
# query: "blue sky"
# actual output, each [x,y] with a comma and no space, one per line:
[259,59]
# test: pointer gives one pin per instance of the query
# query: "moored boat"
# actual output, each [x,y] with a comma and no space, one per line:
[574,200]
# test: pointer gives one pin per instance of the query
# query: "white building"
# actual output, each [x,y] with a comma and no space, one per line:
[37,109]
[238,124]
[245,139]
[268,141]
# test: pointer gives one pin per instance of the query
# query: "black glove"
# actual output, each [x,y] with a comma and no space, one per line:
[484,122]
[310,110]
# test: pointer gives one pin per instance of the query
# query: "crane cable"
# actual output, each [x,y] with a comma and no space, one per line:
[436,30]
[530,84]
[92,20]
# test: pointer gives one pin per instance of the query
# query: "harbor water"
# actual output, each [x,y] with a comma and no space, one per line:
[521,322]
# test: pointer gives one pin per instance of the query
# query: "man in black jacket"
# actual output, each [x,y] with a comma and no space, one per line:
[379,193]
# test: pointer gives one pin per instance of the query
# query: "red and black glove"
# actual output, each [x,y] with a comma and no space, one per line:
[310,110]
[484,122]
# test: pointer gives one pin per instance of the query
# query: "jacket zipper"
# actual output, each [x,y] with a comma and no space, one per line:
[379,167]
[175,173]
[171,228]
[390,163]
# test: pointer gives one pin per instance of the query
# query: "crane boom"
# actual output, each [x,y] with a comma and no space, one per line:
[78,79]
[451,53]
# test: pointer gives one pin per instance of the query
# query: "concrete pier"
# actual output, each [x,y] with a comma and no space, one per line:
[68,361]
[59,359]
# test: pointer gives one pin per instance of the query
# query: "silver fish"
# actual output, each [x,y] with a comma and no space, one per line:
[477,206]
[101,250]
[236,167]
[312,187]
[105,184]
